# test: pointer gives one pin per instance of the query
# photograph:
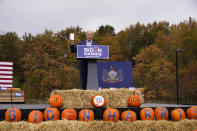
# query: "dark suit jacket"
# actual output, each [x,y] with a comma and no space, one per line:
[82,63]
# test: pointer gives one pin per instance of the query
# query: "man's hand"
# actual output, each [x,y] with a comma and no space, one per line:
[72,42]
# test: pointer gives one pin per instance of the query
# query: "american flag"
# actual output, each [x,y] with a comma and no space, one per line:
[6,74]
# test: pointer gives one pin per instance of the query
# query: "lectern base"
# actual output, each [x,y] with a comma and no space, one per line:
[92,78]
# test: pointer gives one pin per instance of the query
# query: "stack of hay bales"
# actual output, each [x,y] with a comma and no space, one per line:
[65,125]
[10,95]
[117,98]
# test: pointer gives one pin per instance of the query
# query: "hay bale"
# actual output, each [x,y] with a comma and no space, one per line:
[184,125]
[117,98]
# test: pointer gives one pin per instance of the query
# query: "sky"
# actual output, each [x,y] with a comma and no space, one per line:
[34,16]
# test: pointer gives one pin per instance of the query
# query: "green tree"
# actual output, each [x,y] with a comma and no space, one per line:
[138,36]
[107,29]
[8,46]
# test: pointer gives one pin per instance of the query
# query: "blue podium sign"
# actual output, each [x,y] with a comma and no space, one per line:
[93,52]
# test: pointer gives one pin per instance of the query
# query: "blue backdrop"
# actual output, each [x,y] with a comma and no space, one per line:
[114,74]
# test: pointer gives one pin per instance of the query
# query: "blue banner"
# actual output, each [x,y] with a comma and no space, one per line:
[18,94]
[114,74]
[94,51]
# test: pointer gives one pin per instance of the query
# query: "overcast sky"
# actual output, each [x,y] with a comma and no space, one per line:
[34,16]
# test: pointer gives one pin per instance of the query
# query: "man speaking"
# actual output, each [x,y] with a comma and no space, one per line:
[83,64]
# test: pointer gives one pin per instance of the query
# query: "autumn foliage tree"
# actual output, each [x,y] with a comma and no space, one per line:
[44,66]
[160,66]
[151,72]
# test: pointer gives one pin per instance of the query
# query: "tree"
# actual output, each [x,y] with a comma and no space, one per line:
[107,29]
[114,47]
[152,71]
[44,67]
[8,44]
[188,83]
[63,35]
[138,36]
[63,38]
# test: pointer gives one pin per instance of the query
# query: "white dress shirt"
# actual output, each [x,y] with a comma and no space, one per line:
[88,43]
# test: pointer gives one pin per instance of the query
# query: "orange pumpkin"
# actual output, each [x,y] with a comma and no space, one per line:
[134,101]
[111,114]
[192,112]
[13,115]
[188,112]
[69,114]
[86,115]
[128,116]
[147,114]
[51,114]
[98,101]
[161,113]
[35,116]
[178,114]
[55,101]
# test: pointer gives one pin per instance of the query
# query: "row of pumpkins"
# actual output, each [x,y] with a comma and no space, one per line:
[110,114]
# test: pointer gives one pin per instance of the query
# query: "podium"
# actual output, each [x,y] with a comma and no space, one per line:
[92,54]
